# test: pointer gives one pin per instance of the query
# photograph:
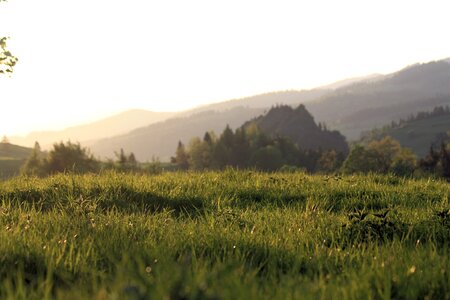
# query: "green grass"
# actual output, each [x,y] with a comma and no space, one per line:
[242,235]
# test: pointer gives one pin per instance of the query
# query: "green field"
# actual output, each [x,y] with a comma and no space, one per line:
[238,235]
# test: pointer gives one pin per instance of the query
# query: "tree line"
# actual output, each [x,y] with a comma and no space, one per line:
[378,133]
[73,158]
[251,148]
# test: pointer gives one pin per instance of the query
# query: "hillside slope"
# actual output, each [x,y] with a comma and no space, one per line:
[419,132]
[160,139]
[111,126]
[266,100]
[11,151]
[299,126]
[364,105]
[351,109]
[11,159]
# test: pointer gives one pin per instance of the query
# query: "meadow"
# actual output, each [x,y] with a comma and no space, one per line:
[221,235]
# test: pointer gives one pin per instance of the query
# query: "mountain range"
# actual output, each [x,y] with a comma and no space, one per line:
[107,127]
[363,105]
[350,106]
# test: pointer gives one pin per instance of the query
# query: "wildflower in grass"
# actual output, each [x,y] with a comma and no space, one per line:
[148,269]
[412,270]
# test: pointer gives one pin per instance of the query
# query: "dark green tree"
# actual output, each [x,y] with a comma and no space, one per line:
[404,163]
[121,158]
[69,157]
[430,162]
[181,157]
[221,150]
[126,162]
[34,165]
[199,154]
[328,162]
[360,160]
[444,157]
[240,151]
[268,158]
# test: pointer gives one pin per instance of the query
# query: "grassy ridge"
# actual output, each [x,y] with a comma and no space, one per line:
[223,235]
[12,157]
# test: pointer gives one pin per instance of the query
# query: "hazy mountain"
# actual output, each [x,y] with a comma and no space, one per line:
[352,107]
[111,126]
[350,81]
[264,100]
[361,106]
[160,139]
[299,126]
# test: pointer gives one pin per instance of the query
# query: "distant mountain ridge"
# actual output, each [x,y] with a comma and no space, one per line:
[299,126]
[350,81]
[107,127]
[350,106]
[160,139]
[351,109]
[364,105]
[267,100]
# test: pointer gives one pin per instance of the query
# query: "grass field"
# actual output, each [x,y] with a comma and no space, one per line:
[239,235]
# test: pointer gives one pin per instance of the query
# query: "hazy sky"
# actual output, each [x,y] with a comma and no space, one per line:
[85,59]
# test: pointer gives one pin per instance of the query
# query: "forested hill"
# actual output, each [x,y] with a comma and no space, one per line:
[365,105]
[160,139]
[417,132]
[299,126]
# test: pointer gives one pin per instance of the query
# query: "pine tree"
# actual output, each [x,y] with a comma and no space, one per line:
[444,158]
[181,157]
[34,164]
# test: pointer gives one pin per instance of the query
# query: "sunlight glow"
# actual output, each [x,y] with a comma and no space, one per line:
[81,60]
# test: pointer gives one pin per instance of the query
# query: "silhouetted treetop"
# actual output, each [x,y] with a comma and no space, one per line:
[298,125]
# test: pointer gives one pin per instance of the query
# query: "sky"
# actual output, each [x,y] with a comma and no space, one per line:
[87,59]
